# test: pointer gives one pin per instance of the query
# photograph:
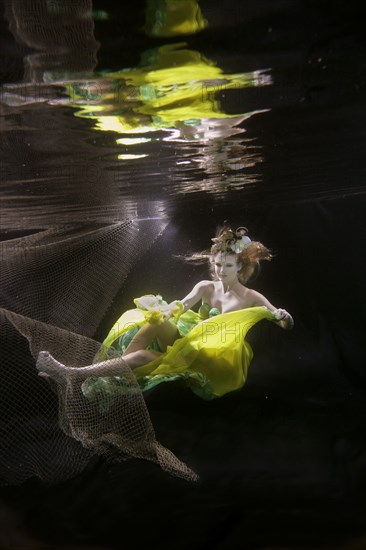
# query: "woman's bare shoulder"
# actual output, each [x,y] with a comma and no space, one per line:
[205,284]
[198,292]
[255,298]
[206,289]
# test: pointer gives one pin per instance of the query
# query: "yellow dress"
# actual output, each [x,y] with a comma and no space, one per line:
[212,354]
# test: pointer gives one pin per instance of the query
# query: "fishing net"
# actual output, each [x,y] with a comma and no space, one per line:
[57,286]
[62,32]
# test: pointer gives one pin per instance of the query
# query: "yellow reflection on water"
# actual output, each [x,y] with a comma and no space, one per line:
[173,17]
[130,156]
[173,94]
[174,88]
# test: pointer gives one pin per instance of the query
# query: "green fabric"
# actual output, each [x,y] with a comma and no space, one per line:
[212,355]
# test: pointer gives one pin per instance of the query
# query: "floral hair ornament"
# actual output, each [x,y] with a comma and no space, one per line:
[234,241]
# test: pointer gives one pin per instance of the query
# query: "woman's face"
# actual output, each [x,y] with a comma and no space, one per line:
[226,266]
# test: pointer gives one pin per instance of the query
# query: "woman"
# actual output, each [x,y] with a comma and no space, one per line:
[168,342]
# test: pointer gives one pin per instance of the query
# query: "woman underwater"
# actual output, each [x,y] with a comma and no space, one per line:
[164,342]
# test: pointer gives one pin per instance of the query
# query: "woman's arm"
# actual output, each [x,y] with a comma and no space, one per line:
[195,295]
[283,317]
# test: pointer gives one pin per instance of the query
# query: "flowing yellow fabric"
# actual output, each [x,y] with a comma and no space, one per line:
[215,349]
[213,357]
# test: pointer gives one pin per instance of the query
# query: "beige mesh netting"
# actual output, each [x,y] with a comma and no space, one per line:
[56,287]
[61,34]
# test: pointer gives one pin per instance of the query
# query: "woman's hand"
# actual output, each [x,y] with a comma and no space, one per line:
[176,308]
[283,318]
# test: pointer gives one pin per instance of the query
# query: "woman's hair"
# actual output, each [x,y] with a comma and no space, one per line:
[248,253]
[236,242]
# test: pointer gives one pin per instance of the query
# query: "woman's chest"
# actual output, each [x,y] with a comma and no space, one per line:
[226,302]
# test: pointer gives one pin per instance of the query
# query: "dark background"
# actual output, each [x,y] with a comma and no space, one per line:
[282,464]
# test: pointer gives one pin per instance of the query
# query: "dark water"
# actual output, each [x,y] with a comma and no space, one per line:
[258,118]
